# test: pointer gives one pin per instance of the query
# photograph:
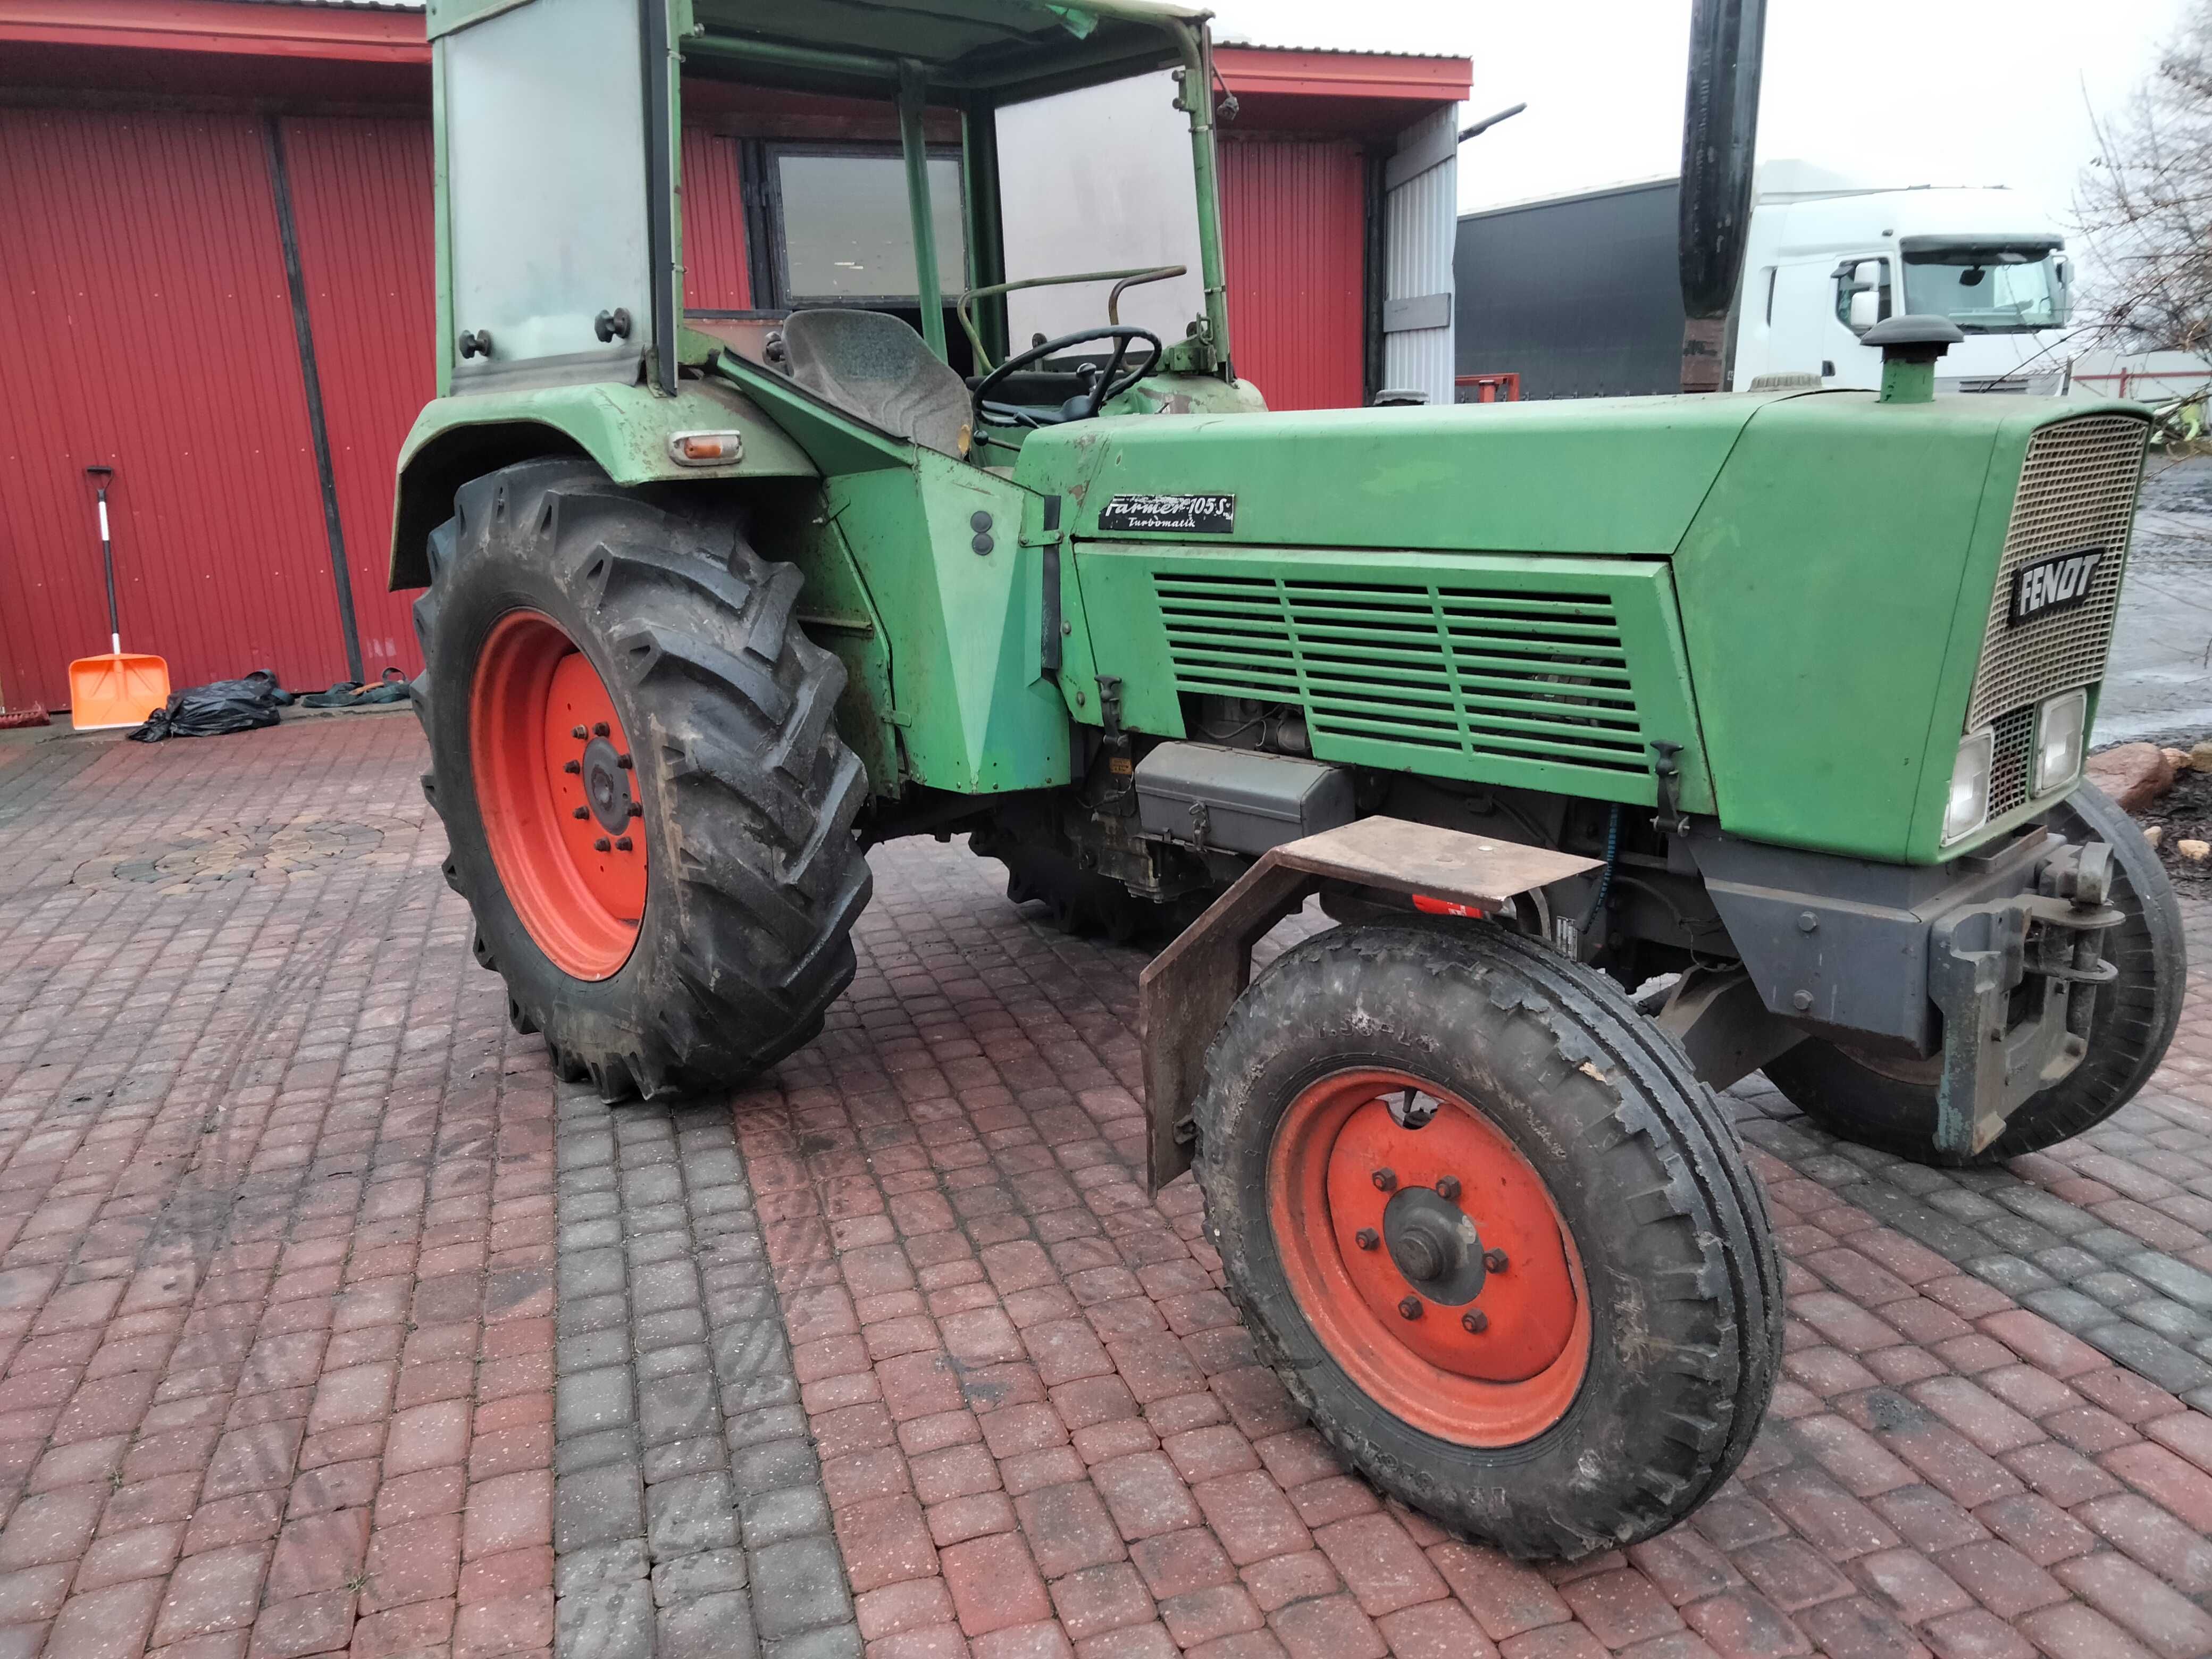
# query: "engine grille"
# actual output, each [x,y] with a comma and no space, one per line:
[2014,731]
[2077,490]
[1540,676]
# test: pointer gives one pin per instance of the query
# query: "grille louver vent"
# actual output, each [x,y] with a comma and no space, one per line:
[1534,676]
[2077,492]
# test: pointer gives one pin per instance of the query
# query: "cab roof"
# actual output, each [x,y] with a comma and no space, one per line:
[1002,49]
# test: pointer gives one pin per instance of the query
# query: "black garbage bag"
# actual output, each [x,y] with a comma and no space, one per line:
[222,705]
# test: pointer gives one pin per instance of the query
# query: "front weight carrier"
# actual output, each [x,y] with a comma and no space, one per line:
[1982,958]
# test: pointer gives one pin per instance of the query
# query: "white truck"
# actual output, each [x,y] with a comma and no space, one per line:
[1826,262]
[1579,296]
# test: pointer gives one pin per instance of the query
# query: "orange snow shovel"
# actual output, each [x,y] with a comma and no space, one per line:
[121,688]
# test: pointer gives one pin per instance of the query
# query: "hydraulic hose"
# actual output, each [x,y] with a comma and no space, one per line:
[1605,879]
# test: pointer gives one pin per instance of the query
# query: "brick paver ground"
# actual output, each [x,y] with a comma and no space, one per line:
[282,1263]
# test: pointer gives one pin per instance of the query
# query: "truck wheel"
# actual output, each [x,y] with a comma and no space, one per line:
[1891,1104]
[1492,1234]
[631,749]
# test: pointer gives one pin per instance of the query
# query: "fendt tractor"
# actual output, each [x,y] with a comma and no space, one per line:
[1632,745]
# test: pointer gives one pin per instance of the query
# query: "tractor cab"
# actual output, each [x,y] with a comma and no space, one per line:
[563,226]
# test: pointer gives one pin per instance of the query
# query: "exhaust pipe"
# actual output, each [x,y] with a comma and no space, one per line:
[1720,128]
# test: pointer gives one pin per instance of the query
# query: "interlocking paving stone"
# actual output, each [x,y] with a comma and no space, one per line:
[276,1217]
[448,1315]
[668,1342]
[2076,1256]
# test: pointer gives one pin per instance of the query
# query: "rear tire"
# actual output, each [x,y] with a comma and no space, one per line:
[1884,1104]
[1664,1233]
[745,796]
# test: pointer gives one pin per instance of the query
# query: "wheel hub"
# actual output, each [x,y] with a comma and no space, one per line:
[606,786]
[1426,1253]
[1436,1244]
[553,784]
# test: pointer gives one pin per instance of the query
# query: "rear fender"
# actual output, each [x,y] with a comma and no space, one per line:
[625,430]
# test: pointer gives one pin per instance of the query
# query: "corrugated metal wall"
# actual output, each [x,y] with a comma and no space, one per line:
[145,324]
[714,274]
[1421,228]
[361,200]
[1294,214]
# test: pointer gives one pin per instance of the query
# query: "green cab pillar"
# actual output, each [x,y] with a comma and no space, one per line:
[915,144]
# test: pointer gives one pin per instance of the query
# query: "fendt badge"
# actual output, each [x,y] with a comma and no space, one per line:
[2058,583]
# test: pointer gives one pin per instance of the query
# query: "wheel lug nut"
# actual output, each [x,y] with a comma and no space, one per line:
[579,733]
[571,767]
[1410,1307]
[1447,1187]
[624,762]
[1384,1179]
[1493,1261]
[636,811]
[599,730]
[600,844]
[580,812]
[622,843]
[1367,1238]
[1475,1322]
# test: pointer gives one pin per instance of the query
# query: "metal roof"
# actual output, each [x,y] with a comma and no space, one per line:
[1242,44]
[999,49]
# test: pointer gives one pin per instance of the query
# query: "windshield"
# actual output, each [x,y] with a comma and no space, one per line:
[1988,290]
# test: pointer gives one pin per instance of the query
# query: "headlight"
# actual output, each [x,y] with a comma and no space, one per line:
[1969,806]
[2059,740]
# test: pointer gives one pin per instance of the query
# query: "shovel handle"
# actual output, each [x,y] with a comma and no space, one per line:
[100,476]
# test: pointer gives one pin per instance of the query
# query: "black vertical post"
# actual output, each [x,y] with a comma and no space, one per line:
[660,188]
[280,185]
[753,164]
[1720,130]
[1374,271]
[986,249]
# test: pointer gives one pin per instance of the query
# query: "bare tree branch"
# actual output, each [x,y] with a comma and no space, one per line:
[2146,203]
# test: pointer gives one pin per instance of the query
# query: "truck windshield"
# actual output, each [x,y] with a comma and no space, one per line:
[1991,290]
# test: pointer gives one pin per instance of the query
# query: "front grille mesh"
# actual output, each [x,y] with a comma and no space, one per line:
[1474,671]
[2077,490]
[2015,741]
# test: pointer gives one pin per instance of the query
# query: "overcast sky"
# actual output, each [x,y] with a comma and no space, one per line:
[1896,92]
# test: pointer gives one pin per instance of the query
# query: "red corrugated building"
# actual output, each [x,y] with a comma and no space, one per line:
[216,277]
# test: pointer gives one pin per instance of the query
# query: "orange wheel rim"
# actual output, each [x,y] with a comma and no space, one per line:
[1437,1216]
[558,796]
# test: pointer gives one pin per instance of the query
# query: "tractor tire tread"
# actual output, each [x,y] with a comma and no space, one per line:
[757,879]
[1663,1134]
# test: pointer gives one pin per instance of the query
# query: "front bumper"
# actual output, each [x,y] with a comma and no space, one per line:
[1988,966]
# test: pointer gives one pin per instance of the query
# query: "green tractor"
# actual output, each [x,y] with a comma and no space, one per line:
[1633,745]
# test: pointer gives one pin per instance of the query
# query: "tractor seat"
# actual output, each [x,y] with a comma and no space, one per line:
[874,365]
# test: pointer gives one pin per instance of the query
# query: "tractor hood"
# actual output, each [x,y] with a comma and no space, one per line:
[1809,599]
[1621,477]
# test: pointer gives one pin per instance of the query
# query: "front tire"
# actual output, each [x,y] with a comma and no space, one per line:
[1491,1233]
[1893,1106]
[648,812]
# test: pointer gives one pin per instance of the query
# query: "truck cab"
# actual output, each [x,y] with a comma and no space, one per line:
[1826,264]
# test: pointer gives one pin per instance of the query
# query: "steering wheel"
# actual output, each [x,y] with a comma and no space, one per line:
[1100,389]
